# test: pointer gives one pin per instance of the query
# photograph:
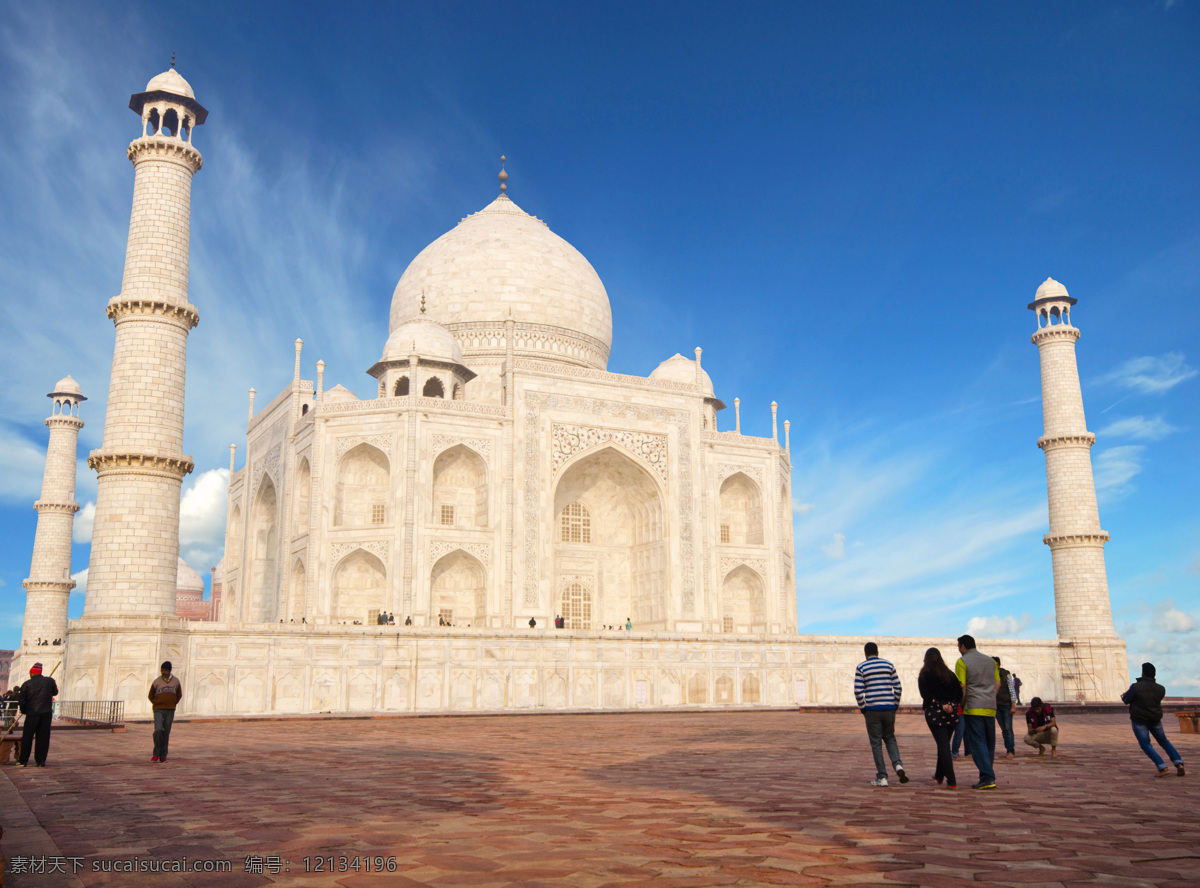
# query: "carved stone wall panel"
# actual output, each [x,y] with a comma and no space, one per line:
[724,470]
[268,465]
[439,548]
[383,442]
[568,440]
[378,548]
[728,563]
[482,446]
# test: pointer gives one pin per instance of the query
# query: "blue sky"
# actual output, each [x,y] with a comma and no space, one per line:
[847,206]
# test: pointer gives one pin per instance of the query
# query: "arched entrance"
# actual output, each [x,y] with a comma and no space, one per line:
[609,524]
[264,563]
[359,587]
[742,599]
[457,590]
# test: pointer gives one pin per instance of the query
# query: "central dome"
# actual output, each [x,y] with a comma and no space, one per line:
[501,263]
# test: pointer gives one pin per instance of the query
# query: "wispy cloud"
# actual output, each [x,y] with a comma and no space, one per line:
[837,548]
[1116,467]
[85,518]
[1151,375]
[1140,428]
[998,627]
[1166,634]
[202,519]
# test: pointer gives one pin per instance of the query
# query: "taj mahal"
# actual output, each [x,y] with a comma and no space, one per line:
[503,525]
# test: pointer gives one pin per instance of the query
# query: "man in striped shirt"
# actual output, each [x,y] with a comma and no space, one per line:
[877,690]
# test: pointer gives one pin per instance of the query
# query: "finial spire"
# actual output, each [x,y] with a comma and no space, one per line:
[503,175]
[172,58]
[422,303]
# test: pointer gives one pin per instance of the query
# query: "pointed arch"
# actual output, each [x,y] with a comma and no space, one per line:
[741,511]
[264,554]
[457,585]
[233,535]
[742,598]
[460,488]
[363,492]
[401,390]
[433,388]
[359,587]
[297,591]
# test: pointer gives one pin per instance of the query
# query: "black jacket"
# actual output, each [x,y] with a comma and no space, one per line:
[37,694]
[1144,699]
[1004,696]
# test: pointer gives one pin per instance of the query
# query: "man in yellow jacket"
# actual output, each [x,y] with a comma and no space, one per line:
[165,694]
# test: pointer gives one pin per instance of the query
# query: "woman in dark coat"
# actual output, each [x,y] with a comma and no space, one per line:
[940,695]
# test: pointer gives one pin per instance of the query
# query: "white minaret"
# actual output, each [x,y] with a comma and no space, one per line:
[50,584]
[140,467]
[1081,604]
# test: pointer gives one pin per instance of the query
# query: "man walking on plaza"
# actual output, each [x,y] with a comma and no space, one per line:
[877,690]
[1144,699]
[165,694]
[36,700]
[1005,710]
[980,677]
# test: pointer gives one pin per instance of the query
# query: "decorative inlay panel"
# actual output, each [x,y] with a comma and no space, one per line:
[585,580]
[378,548]
[724,470]
[269,465]
[439,548]
[567,440]
[728,563]
[482,446]
[383,442]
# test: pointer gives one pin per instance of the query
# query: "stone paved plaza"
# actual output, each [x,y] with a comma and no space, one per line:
[678,799]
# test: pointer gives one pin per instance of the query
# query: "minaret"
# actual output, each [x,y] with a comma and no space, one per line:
[140,467]
[1081,604]
[50,584]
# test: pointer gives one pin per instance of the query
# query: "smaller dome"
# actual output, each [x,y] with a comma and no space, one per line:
[677,368]
[1051,289]
[219,571]
[187,580]
[171,81]
[67,386]
[425,337]
[338,394]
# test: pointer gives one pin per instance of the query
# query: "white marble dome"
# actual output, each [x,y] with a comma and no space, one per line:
[67,386]
[187,580]
[425,338]
[677,368]
[500,263]
[1051,289]
[171,81]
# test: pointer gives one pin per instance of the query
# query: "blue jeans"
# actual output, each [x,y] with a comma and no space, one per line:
[1143,734]
[163,719]
[881,729]
[981,742]
[958,737]
[1004,719]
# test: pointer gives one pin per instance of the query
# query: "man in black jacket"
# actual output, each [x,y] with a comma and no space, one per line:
[1144,699]
[36,700]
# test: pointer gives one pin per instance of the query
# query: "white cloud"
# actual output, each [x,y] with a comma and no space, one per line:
[1172,619]
[202,509]
[85,518]
[799,508]
[1140,428]
[80,582]
[21,468]
[1152,375]
[837,548]
[998,627]
[1116,467]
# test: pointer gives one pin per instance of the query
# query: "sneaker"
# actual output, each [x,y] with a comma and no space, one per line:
[879,781]
[1164,771]
[1010,755]
[163,760]
[153,758]
[1179,768]
[939,780]
[951,786]
[900,773]
[984,785]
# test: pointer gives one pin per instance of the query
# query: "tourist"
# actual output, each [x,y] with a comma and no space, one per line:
[391,619]
[628,625]
[877,690]
[1005,710]
[1016,680]
[165,694]
[558,621]
[1144,699]
[532,623]
[36,700]
[940,693]
[1042,728]
[408,621]
[980,679]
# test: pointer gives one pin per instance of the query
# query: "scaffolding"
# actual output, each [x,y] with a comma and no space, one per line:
[1080,681]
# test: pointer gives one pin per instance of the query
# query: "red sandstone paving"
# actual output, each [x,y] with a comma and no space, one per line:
[678,799]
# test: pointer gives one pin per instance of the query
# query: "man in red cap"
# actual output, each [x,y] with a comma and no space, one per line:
[36,701]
